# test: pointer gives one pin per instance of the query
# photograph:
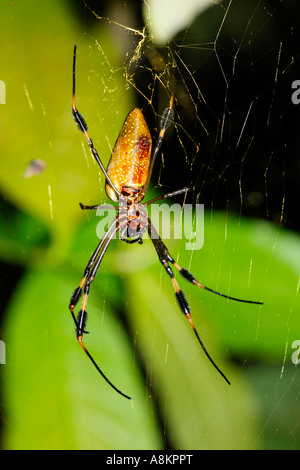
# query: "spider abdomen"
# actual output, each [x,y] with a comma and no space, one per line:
[128,167]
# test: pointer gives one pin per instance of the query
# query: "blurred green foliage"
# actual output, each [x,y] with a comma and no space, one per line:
[52,398]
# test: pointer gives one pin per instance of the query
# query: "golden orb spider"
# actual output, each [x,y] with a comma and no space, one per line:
[127,177]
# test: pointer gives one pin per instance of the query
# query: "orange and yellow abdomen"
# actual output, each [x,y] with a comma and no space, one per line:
[128,166]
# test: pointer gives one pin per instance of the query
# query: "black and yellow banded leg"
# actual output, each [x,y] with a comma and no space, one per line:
[190,277]
[80,330]
[78,291]
[99,251]
[83,127]
[165,258]
[90,273]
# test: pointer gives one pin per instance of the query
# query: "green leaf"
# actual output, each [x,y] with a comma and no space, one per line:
[64,403]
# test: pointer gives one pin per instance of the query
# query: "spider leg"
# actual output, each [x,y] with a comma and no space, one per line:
[133,240]
[167,195]
[165,259]
[90,273]
[101,246]
[81,321]
[95,207]
[83,127]
[165,121]
[190,277]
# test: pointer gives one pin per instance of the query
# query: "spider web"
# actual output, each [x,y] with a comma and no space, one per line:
[234,141]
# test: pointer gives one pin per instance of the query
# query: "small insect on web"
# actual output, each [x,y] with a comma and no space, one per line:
[127,178]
